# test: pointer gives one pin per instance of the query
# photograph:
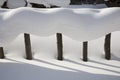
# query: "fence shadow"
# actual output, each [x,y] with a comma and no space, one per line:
[19,71]
[104,64]
[115,57]
[105,69]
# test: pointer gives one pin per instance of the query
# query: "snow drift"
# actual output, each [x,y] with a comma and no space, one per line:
[79,24]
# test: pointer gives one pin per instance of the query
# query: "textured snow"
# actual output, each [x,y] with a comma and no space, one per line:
[79,24]
[44,65]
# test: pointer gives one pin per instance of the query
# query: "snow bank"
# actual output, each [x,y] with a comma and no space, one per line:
[79,24]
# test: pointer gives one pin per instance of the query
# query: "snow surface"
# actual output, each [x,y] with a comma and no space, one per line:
[44,66]
[79,24]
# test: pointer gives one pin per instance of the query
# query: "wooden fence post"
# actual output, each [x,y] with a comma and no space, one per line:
[59,46]
[28,46]
[107,46]
[85,51]
[2,53]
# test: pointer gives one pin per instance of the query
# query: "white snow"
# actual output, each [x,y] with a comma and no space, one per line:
[79,24]
[45,23]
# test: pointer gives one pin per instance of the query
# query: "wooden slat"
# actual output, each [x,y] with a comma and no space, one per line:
[2,53]
[59,46]
[85,51]
[28,46]
[107,46]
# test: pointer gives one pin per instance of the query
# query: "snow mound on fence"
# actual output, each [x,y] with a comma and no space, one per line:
[78,24]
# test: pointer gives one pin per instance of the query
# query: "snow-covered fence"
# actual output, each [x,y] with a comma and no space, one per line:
[107,47]
[79,24]
[28,49]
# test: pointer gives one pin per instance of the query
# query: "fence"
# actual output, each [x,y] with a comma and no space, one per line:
[28,49]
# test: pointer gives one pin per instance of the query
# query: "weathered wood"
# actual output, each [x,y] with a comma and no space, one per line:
[2,53]
[85,51]
[107,46]
[59,46]
[28,46]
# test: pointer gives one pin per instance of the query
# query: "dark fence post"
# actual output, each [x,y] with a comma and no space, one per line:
[28,46]
[85,51]
[59,46]
[107,46]
[2,53]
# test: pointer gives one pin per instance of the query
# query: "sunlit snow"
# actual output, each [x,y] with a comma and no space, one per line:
[77,24]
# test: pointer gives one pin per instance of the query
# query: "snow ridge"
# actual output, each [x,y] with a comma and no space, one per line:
[79,24]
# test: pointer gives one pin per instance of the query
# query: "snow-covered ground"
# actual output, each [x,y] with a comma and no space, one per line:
[45,66]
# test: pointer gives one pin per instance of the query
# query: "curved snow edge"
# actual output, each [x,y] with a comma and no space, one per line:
[79,24]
